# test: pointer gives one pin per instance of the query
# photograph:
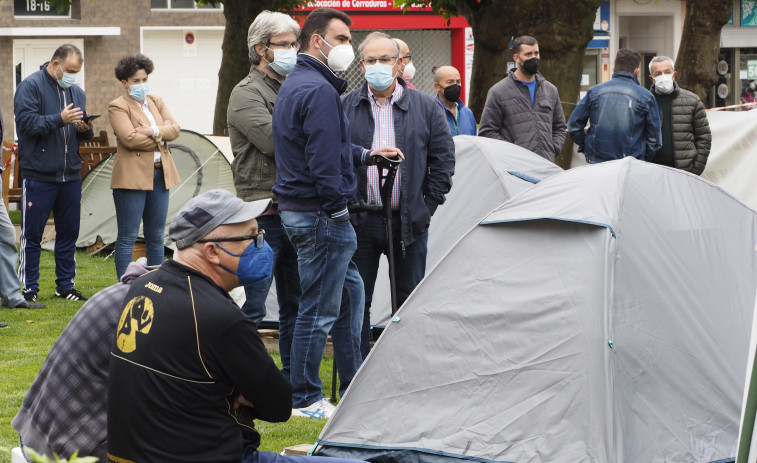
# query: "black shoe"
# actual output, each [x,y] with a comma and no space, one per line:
[29,305]
[72,295]
[3,325]
[30,296]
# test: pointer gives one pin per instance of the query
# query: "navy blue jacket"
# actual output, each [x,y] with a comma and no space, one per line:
[466,123]
[624,118]
[422,135]
[314,156]
[42,135]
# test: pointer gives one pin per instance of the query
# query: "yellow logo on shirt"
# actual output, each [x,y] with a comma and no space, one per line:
[136,318]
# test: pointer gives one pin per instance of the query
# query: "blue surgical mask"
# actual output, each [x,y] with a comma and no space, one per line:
[379,76]
[283,60]
[255,264]
[67,79]
[139,92]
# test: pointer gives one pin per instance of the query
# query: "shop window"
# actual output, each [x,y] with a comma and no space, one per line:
[179,5]
[748,75]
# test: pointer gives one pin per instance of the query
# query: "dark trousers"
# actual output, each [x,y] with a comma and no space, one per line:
[39,199]
[409,264]
[287,286]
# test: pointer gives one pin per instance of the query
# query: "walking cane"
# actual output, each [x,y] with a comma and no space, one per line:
[387,169]
[387,173]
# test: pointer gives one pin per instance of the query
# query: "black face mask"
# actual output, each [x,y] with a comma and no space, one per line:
[452,93]
[531,66]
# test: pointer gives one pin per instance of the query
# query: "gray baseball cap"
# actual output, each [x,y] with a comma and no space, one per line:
[206,212]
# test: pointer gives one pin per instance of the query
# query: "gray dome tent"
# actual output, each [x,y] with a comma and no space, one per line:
[487,173]
[602,315]
[201,164]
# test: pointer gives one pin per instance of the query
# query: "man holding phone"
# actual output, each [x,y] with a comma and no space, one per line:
[49,111]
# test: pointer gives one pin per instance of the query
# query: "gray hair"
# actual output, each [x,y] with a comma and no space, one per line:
[266,25]
[658,59]
[375,35]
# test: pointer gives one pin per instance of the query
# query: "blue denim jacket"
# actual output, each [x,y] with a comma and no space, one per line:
[624,121]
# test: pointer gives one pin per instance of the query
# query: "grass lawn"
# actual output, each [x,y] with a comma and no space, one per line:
[31,334]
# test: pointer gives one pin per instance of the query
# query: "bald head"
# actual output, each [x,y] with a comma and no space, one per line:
[445,75]
[404,49]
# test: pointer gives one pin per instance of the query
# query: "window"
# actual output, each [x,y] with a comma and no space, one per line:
[180,5]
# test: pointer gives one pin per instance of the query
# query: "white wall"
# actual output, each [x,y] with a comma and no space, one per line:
[648,25]
[186,77]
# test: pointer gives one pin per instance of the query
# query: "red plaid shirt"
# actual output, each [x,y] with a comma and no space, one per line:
[383,137]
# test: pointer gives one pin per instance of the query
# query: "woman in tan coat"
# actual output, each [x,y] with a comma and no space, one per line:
[144,169]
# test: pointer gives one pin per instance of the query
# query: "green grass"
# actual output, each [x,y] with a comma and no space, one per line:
[15,217]
[31,334]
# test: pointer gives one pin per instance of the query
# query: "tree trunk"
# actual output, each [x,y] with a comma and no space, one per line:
[700,44]
[235,61]
[563,30]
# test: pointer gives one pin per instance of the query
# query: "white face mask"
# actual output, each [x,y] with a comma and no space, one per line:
[341,56]
[409,71]
[664,83]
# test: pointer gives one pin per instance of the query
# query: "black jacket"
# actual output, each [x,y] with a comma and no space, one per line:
[421,133]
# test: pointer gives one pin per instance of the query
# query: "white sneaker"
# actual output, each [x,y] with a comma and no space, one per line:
[321,409]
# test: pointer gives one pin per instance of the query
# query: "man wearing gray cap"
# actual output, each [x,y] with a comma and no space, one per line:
[188,371]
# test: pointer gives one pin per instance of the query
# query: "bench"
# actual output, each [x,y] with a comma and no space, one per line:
[91,151]
[11,174]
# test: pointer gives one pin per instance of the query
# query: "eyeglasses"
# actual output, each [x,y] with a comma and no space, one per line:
[295,45]
[383,60]
[259,238]
[408,58]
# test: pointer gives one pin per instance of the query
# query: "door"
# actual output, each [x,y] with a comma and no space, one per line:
[30,54]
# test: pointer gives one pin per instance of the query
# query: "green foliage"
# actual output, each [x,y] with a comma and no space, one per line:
[45,459]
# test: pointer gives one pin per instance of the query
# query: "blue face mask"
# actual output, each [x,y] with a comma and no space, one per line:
[139,92]
[67,79]
[379,76]
[283,61]
[255,264]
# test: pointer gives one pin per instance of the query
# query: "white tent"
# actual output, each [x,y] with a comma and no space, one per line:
[602,315]
[201,164]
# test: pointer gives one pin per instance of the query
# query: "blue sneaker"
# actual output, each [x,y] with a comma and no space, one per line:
[321,409]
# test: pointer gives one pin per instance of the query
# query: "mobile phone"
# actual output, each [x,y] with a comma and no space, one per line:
[90,117]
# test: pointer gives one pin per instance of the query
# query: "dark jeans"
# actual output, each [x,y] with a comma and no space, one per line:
[64,200]
[257,456]
[409,264]
[287,286]
[331,301]
[149,207]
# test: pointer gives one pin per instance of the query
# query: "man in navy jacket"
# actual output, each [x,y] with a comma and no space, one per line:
[49,111]
[314,183]
[396,116]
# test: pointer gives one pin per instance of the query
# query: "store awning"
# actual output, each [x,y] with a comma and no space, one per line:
[58,31]
[738,37]
[600,40]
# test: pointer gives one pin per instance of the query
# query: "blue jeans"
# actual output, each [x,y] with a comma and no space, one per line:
[251,455]
[133,207]
[332,300]
[287,286]
[10,287]
[39,199]
[409,264]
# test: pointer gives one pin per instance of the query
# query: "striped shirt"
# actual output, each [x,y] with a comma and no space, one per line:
[383,137]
